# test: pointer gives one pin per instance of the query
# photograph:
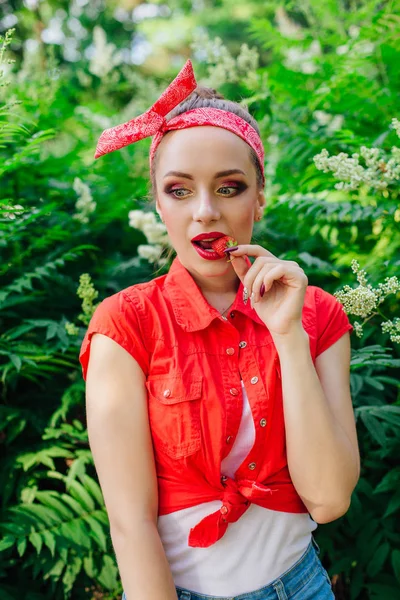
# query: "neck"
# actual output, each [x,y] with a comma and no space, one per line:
[220,292]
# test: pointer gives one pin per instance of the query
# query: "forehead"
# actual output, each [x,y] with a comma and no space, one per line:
[215,146]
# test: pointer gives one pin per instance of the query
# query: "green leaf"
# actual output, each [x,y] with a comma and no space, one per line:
[49,541]
[374,427]
[71,573]
[36,541]
[21,546]
[76,532]
[89,566]
[394,505]
[93,487]
[52,499]
[390,481]
[81,495]
[7,542]
[109,573]
[376,563]
[396,563]
[97,533]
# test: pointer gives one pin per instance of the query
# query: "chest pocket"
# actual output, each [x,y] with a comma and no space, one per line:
[174,414]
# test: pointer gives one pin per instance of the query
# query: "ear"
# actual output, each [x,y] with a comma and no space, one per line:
[261,199]
[158,210]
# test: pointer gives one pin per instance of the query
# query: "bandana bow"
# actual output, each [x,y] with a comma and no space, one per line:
[153,120]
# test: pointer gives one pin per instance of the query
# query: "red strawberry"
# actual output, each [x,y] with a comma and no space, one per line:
[219,245]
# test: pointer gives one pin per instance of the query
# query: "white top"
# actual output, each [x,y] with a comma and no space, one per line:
[254,551]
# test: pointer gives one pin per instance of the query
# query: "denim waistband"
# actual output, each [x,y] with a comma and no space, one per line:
[286,585]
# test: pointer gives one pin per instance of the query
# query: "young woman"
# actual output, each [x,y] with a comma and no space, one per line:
[218,402]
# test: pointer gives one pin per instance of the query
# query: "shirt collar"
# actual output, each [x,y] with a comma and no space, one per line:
[191,309]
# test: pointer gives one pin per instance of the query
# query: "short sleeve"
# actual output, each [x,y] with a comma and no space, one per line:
[332,320]
[116,317]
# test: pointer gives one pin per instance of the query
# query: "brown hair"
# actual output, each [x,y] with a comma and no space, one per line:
[203,97]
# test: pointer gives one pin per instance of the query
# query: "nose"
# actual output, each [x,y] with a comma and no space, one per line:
[206,208]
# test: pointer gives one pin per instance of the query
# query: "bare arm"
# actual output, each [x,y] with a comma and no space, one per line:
[321,438]
[120,441]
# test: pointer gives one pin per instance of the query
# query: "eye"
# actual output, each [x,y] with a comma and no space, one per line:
[177,191]
[229,187]
[174,192]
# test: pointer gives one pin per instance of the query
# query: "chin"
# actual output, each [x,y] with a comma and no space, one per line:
[216,267]
[205,266]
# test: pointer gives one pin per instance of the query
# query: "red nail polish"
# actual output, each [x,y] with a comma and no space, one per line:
[262,290]
[230,249]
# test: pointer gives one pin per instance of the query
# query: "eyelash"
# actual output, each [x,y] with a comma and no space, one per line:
[239,188]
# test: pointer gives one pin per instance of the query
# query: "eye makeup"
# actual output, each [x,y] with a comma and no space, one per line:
[237,185]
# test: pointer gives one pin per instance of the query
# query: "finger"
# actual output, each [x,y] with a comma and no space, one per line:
[262,262]
[257,283]
[241,265]
[275,274]
[251,250]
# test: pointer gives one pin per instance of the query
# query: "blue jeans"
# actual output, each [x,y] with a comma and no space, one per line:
[305,580]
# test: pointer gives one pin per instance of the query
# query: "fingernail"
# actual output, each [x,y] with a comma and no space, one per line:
[262,290]
[230,249]
[245,295]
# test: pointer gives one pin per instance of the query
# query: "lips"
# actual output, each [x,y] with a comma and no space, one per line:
[206,236]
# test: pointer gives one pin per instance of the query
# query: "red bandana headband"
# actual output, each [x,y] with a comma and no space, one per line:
[153,122]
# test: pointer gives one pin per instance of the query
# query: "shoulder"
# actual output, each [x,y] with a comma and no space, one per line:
[324,319]
[319,299]
[135,296]
[140,292]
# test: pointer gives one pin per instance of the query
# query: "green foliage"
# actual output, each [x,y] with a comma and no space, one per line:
[316,75]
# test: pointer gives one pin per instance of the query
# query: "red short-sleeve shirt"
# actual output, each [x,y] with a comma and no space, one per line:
[194,360]
[116,318]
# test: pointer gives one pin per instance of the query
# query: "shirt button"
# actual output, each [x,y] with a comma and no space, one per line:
[230,351]
[224,509]
[234,391]
[252,466]
[229,439]
[232,314]
[223,478]
[224,318]
[167,393]
[254,380]
[263,422]
[242,344]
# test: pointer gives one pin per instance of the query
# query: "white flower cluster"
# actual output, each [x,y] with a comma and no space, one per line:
[71,328]
[92,118]
[4,42]
[288,28]
[324,119]
[104,56]
[396,125]
[302,60]
[363,301]
[87,292]
[380,171]
[17,211]
[393,328]
[156,234]
[223,68]
[85,205]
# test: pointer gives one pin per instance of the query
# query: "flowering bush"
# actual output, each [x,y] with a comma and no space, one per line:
[364,300]
[323,87]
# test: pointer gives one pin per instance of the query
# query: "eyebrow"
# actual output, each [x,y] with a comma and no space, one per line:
[219,174]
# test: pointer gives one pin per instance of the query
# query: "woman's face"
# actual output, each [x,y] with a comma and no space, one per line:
[198,199]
